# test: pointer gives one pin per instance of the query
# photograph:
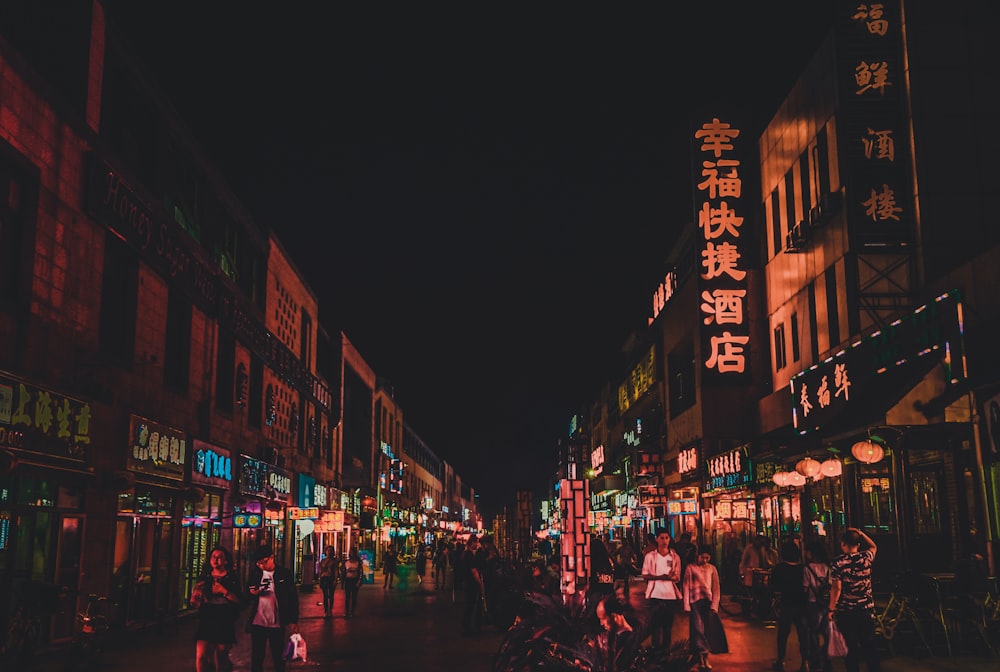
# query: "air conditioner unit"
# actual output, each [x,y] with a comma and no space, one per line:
[795,241]
[817,216]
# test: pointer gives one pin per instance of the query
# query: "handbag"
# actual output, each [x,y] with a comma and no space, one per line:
[836,646]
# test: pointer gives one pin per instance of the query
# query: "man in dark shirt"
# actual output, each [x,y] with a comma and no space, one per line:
[474,564]
[788,584]
[852,604]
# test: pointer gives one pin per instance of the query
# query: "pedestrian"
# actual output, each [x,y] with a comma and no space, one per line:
[661,568]
[702,595]
[474,564]
[788,585]
[423,555]
[852,604]
[455,557]
[389,562]
[817,578]
[440,563]
[615,640]
[752,562]
[625,566]
[686,550]
[329,569]
[218,598]
[350,574]
[602,571]
[274,609]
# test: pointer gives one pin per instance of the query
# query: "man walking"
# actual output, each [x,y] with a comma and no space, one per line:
[661,567]
[274,610]
[474,564]
[388,567]
[852,604]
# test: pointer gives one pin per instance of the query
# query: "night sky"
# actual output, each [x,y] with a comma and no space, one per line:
[482,198]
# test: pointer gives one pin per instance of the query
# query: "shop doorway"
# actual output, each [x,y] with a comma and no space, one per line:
[142,567]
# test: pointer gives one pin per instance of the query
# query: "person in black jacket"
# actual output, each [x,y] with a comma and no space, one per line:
[788,581]
[274,609]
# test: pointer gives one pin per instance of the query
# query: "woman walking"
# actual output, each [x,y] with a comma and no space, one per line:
[328,570]
[702,593]
[217,597]
[351,575]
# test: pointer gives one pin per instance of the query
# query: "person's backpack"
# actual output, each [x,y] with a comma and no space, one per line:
[820,587]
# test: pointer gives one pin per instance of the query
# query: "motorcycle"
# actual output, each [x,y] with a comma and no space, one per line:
[90,636]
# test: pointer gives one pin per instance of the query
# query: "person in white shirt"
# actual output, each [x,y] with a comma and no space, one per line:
[661,568]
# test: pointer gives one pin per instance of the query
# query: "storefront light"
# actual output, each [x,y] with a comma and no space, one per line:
[795,479]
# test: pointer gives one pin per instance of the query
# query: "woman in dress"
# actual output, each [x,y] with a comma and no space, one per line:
[217,597]
[702,593]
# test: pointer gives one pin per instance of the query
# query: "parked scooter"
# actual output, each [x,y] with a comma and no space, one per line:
[90,636]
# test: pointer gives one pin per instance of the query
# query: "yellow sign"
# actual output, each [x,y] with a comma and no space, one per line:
[297,513]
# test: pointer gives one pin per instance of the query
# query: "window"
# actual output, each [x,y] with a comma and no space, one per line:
[305,340]
[225,371]
[779,347]
[832,317]
[794,328]
[805,182]
[776,222]
[925,491]
[255,400]
[177,351]
[18,202]
[681,372]
[116,339]
[790,198]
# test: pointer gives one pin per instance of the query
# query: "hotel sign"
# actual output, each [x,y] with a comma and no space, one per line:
[724,252]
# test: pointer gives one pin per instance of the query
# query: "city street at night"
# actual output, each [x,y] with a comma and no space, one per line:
[414,627]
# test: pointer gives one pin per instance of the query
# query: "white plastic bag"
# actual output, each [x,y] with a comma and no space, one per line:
[299,650]
[836,647]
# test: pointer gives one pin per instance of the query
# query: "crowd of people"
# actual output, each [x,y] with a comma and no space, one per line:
[812,594]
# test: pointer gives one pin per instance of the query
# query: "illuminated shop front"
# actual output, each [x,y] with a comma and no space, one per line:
[202,511]
[44,455]
[265,492]
[729,512]
[148,519]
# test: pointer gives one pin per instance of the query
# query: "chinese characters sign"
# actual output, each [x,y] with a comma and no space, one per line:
[872,94]
[641,379]
[36,419]
[725,331]
[825,390]
[729,470]
[156,449]
[211,465]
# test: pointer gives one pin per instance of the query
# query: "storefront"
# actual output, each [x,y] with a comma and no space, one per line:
[260,512]
[202,512]
[44,444]
[147,520]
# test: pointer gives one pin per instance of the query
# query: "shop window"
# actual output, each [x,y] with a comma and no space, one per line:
[926,502]
[876,504]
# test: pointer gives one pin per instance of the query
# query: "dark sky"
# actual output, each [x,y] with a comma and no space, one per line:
[482,199]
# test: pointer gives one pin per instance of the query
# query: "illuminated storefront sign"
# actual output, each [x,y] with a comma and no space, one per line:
[211,465]
[854,375]
[34,418]
[728,471]
[156,449]
[597,460]
[663,293]
[682,507]
[302,513]
[725,331]
[641,378]
[687,460]
[872,83]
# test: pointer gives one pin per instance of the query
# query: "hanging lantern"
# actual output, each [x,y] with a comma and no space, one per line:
[867,451]
[808,467]
[795,479]
[780,478]
[831,467]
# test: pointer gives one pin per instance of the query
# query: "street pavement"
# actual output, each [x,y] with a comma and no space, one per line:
[414,627]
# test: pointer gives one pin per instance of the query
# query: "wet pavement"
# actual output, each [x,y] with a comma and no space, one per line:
[414,627]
